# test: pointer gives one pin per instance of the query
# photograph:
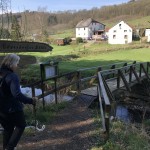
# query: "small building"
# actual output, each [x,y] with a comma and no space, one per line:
[121,33]
[147,34]
[89,27]
[61,41]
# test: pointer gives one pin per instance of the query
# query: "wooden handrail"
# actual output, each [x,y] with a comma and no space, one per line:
[104,92]
[80,79]
[105,111]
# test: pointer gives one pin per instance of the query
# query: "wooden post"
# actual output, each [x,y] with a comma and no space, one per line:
[34,107]
[148,67]
[118,80]
[99,69]
[140,74]
[125,64]
[135,74]
[33,91]
[107,116]
[113,67]
[43,100]
[55,80]
[79,81]
[130,74]
[145,71]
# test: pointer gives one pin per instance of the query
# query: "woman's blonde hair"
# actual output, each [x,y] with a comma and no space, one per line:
[10,60]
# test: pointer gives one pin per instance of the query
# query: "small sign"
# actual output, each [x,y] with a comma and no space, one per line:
[49,70]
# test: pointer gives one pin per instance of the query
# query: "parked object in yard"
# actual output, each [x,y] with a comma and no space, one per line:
[23,46]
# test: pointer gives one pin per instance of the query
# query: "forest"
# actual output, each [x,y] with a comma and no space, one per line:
[44,22]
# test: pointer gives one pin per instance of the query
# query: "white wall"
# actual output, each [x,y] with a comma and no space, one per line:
[82,32]
[147,33]
[87,32]
[120,34]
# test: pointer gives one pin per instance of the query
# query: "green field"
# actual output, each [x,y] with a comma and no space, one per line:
[85,55]
[73,57]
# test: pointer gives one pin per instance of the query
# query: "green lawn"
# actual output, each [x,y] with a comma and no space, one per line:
[73,57]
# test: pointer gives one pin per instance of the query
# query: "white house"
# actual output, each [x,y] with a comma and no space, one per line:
[89,27]
[147,34]
[121,33]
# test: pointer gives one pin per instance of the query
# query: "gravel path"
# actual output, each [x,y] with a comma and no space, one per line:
[72,129]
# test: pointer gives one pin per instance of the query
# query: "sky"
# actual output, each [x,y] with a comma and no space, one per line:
[60,5]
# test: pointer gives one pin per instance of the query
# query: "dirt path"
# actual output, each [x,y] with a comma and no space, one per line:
[72,129]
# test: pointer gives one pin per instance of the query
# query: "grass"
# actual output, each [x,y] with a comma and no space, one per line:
[44,115]
[73,57]
[123,136]
[64,34]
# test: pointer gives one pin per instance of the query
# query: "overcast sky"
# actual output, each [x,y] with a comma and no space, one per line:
[60,5]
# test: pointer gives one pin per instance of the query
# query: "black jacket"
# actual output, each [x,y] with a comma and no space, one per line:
[11,89]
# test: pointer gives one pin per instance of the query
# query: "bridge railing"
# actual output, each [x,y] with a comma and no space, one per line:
[126,73]
[76,82]
[92,78]
[105,106]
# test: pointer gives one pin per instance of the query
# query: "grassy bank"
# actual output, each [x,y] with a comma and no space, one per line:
[123,136]
[73,57]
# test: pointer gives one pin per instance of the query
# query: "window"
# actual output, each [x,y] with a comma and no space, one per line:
[125,36]
[120,26]
[114,36]
[125,30]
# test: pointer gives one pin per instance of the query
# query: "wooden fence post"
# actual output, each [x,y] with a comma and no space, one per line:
[130,74]
[148,65]
[118,80]
[43,100]
[79,81]
[55,80]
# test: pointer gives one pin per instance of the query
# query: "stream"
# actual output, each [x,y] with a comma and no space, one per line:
[49,98]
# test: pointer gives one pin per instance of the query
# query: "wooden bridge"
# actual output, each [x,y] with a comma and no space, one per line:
[124,77]
[106,80]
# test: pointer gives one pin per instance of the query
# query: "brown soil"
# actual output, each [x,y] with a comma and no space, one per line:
[72,129]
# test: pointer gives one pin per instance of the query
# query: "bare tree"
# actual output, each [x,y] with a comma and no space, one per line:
[5,7]
[42,19]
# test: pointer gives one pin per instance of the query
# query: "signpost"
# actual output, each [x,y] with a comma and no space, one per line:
[49,70]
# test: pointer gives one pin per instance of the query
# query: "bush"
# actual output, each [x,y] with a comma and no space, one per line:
[79,40]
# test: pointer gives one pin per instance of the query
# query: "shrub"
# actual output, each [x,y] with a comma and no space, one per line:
[79,40]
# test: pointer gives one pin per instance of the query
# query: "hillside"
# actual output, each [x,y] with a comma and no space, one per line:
[135,12]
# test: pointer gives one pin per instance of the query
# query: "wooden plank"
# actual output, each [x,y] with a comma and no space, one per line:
[90,91]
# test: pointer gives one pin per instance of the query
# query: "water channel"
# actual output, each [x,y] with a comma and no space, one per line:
[129,115]
[49,98]
[119,111]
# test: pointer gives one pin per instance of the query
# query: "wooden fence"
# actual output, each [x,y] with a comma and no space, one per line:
[138,70]
[102,74]
[78,80]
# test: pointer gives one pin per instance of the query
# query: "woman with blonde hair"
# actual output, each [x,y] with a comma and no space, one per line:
[11,103]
